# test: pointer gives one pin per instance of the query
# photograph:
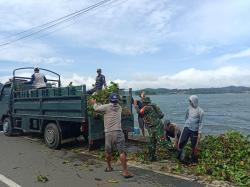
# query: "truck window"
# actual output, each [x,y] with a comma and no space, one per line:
[5,92]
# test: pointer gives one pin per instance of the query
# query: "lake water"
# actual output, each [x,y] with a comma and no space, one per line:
[222,111]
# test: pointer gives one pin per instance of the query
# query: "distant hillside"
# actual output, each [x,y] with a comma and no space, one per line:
[229,89]
[1,85]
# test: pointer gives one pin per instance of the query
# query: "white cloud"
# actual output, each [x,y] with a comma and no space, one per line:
[136,27]
[189,78]
[231,56]
[130,27]
[203,25]
[34,53]
[78,80]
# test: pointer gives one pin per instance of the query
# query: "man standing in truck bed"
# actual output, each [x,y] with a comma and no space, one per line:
[38,80]
[99,82]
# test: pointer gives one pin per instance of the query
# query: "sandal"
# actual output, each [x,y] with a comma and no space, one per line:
[129,175]
[109,169]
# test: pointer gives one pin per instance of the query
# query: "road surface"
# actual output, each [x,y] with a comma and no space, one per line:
[24,158]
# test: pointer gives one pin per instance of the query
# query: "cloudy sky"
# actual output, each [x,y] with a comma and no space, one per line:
[138,43]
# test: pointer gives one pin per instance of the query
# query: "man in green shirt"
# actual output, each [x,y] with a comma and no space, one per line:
[152,116]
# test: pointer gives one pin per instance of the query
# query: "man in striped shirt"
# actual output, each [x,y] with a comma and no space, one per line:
[114,137]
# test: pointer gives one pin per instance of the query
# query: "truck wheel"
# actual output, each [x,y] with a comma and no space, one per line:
[52,136]
[7,128]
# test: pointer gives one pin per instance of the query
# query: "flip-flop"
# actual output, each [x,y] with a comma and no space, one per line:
[128,176]
[108,170]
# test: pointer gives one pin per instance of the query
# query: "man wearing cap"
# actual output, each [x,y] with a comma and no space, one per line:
[152,116]
[114,137]
[99,82]
[38,80]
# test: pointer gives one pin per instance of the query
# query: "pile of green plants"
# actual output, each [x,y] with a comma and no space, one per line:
[225,157]
[222,157]
[102,97]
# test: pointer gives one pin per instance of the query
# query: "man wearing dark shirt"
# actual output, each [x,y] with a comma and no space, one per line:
[140,105]
[99,82]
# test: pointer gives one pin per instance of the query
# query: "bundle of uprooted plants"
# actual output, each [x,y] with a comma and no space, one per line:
[102,97]
[223,157]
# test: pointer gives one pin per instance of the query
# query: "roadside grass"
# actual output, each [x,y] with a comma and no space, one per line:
[224,157]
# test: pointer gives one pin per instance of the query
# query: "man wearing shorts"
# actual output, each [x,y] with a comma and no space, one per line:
[114,137]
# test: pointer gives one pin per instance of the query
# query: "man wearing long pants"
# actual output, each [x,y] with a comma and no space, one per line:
[192,129]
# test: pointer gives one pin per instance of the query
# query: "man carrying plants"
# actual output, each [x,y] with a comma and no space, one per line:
[152,116]
[114,137]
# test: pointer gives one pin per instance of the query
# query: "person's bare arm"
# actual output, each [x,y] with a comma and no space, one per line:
[177,129]
[98,107]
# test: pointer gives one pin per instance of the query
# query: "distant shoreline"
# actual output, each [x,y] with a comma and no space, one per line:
[195,93]
[223,90]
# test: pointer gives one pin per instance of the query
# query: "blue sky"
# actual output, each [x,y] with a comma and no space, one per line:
[137,43]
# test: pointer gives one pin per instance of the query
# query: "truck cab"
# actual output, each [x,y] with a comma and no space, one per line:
[5,95]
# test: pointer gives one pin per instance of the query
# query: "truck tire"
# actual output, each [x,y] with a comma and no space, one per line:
[52,136]
[7,127]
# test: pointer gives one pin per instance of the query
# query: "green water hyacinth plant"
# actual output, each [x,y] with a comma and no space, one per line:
[226,157]
[102,97]
[223,157]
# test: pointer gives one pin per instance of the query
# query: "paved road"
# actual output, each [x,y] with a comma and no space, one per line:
[22,159]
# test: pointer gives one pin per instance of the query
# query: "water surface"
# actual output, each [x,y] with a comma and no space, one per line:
[222,111]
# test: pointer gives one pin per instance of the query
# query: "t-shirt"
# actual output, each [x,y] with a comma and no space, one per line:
[140,106]
[112,116]
[38,80]
[100,81]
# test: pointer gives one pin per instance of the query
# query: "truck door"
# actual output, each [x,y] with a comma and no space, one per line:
[4,100]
